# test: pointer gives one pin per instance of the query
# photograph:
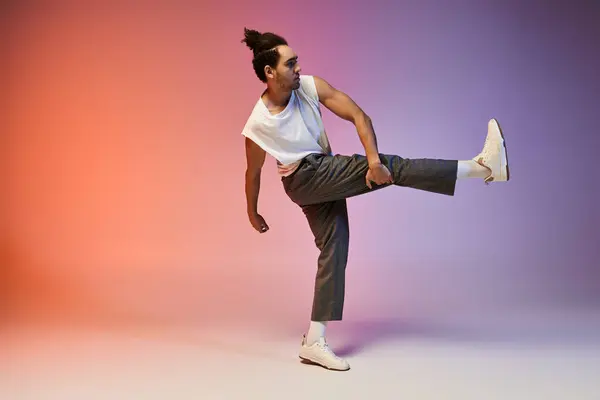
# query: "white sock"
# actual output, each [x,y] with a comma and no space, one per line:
[316,330]
[471,169]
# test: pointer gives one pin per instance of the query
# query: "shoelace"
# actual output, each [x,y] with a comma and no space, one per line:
[325,347]
[486,153]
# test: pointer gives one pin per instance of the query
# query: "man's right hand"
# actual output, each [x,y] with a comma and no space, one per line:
[258,222]
[255,157]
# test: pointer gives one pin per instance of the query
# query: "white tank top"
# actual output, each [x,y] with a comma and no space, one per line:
[295,132]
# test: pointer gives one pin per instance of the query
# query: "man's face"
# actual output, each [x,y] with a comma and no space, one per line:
[287,72]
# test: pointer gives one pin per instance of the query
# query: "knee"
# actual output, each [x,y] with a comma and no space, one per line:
[337,239]
[397,167]
[339,233]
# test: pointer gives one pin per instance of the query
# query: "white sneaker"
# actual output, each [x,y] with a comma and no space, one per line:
[494,155]
[320,353]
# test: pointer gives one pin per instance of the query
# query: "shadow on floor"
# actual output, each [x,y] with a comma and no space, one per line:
[357,336]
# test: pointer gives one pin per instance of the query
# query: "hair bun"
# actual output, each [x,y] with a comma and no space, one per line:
[251,38]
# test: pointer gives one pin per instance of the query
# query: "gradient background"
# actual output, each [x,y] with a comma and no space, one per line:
[123,163]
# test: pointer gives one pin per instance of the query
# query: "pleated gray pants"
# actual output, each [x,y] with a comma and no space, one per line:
[321,185]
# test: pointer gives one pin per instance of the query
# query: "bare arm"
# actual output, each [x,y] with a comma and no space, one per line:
[255,159]
[344,107]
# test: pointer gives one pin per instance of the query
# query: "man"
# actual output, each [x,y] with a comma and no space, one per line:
[286,123]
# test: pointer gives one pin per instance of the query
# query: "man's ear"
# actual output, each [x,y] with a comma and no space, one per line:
[269,71]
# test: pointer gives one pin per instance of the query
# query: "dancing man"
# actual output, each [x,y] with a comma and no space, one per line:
[286,123]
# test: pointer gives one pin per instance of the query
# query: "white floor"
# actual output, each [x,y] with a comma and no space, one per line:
[239,362]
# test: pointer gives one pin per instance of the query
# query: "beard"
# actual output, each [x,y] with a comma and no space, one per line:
[285,84]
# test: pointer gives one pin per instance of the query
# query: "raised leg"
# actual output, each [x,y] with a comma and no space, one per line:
[322,178]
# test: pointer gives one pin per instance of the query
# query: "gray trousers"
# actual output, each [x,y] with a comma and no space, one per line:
[321,185]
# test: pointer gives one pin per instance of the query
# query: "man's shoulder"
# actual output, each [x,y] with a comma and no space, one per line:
[307,80]
[256,110]
[255,119]
[308,86]
[304,78]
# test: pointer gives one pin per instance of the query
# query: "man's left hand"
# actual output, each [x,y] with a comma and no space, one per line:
[379,174]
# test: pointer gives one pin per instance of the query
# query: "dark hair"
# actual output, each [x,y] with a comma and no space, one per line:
[263,48]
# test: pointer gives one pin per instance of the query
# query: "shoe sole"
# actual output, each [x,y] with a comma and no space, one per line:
[506,171]
[311,362]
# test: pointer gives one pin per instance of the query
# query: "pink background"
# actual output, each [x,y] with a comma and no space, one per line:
[123,163]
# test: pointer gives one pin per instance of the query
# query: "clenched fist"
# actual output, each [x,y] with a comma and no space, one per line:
[378,174]
[258,222]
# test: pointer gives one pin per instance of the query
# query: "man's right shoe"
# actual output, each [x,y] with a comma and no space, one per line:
[494,155]
[320,353]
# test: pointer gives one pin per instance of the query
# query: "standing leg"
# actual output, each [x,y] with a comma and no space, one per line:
[329,224]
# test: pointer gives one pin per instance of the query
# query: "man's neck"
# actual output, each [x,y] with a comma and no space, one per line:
[277,98]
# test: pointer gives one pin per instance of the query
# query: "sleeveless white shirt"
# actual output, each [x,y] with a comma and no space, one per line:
[295,132]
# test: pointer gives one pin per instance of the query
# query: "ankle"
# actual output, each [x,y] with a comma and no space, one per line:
[487,169]
[316,331]
[472,169]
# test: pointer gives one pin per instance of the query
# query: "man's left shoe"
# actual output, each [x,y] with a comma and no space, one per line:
[320,353]
[494,155]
